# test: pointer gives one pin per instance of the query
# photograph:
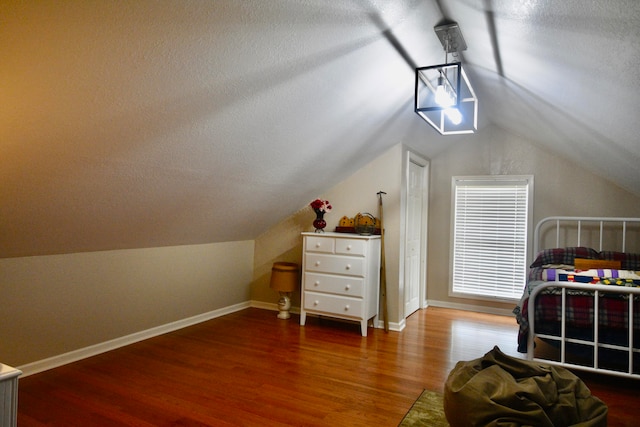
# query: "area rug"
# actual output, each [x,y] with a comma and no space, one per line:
[426,411]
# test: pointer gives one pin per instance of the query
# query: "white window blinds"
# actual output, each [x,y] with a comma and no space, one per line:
[491,217]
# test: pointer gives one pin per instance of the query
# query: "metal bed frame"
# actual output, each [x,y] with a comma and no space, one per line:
[597,290]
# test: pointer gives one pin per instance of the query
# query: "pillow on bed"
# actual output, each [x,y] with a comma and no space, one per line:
[628,261]
[589,264]
[563,255]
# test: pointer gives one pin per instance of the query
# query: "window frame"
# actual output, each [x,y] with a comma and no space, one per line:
[492,180]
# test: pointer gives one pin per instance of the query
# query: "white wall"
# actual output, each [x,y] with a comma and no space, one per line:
[64,303]
[60,303]
[562,187]
[358,193]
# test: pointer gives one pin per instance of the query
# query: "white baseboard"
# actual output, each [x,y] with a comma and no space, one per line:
[83,353]
[471,307]
[93,350]
[379,324]
[271,306]
[264,305]
[393,326]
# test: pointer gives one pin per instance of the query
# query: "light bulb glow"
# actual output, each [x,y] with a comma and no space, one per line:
[454,115]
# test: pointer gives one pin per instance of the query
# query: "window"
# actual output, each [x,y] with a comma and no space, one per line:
[490,223]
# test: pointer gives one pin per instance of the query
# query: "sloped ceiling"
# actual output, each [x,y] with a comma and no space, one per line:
[154,123]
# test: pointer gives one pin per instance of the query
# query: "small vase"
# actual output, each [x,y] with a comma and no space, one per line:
[319,223]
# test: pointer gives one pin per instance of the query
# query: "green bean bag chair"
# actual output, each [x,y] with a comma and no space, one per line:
[499,390]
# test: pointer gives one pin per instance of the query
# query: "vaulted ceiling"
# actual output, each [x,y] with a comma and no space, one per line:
[154,123]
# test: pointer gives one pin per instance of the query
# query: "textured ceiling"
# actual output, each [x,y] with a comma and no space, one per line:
[564,74]
[153,123]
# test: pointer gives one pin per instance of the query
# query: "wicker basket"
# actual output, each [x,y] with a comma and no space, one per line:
[365,224]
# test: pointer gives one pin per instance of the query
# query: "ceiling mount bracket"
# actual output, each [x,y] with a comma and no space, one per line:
[451,38]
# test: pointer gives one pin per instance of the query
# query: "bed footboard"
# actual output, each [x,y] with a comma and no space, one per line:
[600,349]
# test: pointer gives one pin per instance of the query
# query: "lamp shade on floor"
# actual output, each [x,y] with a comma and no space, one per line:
[284,276]
[284,279]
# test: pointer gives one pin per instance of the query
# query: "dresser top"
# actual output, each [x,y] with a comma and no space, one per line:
[340,235]
[7,372]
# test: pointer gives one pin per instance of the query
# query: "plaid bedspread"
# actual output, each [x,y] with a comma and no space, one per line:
[613,312]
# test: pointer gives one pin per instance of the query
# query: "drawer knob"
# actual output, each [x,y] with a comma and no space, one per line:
[346,288]
[348,247]
[317,263]
[318,244]
[316,283]
[346,307]
[316,302]
[348,267]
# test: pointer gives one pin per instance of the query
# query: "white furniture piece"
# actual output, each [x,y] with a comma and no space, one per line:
[8,395]
[340,277]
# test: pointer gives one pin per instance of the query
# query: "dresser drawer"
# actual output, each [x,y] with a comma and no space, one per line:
[343,285]
[321,244]
[335,264]
[350,247]
[333,304]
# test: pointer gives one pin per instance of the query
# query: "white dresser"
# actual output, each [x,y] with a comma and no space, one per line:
[8,395]
[340,277]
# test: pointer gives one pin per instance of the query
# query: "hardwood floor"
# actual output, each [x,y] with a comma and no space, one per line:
[251,369]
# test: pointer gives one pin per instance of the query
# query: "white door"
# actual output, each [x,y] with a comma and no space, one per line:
[415,256]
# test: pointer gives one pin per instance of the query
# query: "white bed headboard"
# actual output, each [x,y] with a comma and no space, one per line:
[599,233]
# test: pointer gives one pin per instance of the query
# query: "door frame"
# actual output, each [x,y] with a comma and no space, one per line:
[411,157]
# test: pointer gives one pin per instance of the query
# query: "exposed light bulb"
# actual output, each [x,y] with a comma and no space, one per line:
[442,96]
[454,115]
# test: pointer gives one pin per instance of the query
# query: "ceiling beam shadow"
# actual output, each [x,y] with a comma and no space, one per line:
[493,34]
[387,34]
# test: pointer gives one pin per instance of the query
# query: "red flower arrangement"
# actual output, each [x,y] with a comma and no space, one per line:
[322,206]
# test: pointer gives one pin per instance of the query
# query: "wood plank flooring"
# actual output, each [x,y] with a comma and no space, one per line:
[251,369]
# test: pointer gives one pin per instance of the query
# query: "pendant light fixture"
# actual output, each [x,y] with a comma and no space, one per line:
[444,97]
